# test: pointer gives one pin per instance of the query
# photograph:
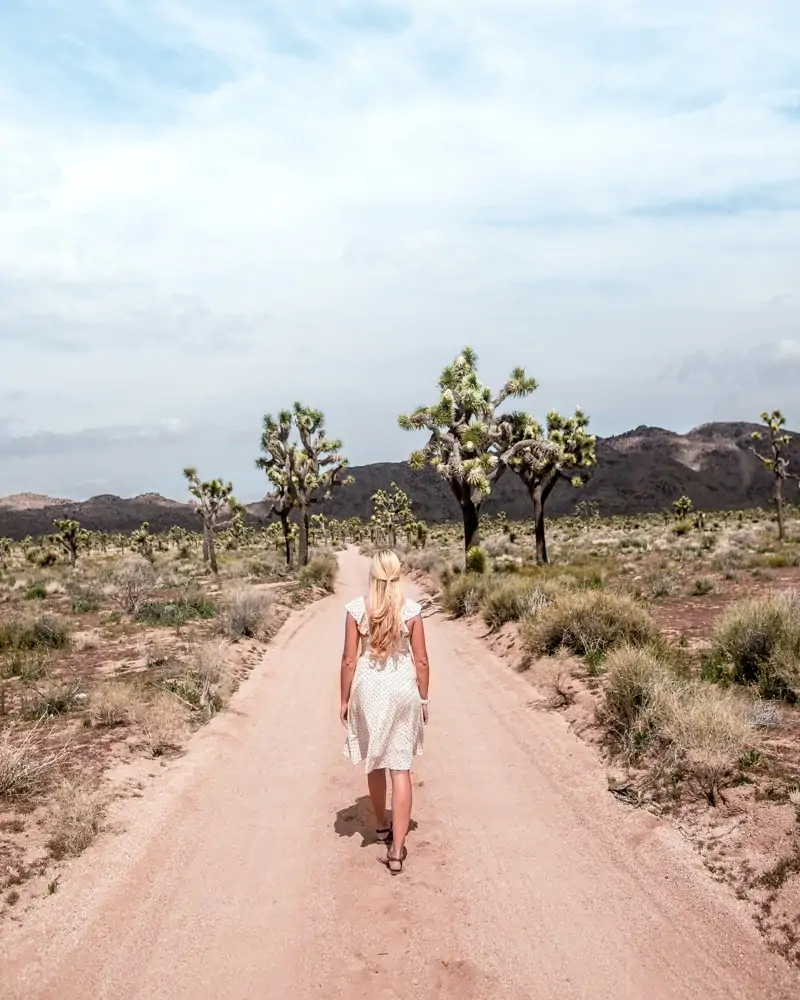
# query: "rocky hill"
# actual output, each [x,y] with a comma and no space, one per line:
[642,470]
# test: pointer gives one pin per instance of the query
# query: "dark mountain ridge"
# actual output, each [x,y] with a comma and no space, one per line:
[640,471]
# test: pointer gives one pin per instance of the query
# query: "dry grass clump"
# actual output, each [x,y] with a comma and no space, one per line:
[207,684]
[76,819]
[463,595]
[162,721]
[639,689]
[26,762]
[693,728]
[247,614]
[589,623]
[509,599]
[709,730]
[41,631]
[51,696]
[114,703]
[758,641]
[320,572]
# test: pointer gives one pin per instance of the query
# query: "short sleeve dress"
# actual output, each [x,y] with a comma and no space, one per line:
[384,720]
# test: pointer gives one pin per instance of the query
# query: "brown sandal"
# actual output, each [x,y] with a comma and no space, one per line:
[390,861]
[384,836]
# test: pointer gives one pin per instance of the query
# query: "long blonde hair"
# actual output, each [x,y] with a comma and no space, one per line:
[385,607]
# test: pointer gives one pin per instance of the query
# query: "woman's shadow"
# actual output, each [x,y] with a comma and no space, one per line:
[359,819]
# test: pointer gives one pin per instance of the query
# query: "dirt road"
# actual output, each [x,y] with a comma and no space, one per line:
[250,872]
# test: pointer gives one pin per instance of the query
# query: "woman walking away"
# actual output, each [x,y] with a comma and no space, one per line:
[385,696]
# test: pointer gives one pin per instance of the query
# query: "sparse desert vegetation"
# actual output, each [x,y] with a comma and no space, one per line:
[680,630]
[114,648]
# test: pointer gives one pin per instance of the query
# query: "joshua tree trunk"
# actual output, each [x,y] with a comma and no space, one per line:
[209,549]
[539,492]
[304,529]
[287,538]
[471,514]
[779,508]
[538,524]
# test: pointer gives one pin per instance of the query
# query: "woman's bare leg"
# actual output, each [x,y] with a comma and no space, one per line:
[376,780]
[401,811]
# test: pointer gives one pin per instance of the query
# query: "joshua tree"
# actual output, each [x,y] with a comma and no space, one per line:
[70,538]
[683,507]
[142,541]
[545,459]
[213,498]
[776,461]
[278,463]
[5,551]
[391,512]
[317,470]
[468,444]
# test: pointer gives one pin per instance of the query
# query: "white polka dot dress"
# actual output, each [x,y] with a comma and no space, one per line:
[384,719]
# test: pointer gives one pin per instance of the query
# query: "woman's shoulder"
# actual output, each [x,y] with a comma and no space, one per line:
[357,608]
[411,609]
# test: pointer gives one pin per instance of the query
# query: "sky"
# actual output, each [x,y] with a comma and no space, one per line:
[211,208]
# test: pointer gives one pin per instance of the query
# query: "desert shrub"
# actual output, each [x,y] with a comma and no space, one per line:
[759,641]
[36,592]
[26,762]
[507,600]
[187,607]
[637,697]
[424,560]
[46,559]
[320,572]
[50,696]
[702,588]
[462,596]
[269,565]
[247,614]
[132,584]
[661,583]
[27,664]
[682,527]
[40,632]
[76,818]
[84,602]
[589,623]
[477,561]
[113,703]
[207,682]
[709,731]
[162,721]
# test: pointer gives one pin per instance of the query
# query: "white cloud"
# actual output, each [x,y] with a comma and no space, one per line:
[218,206]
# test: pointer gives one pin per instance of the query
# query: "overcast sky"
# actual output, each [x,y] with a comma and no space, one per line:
[209,208]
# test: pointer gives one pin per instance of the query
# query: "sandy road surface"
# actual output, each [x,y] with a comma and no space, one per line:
[249,874]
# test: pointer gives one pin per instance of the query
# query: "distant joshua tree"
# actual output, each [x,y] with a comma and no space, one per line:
[213,498]
[776,461]
[70,538]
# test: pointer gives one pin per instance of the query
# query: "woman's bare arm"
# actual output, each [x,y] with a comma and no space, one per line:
[419,651]
[349,658]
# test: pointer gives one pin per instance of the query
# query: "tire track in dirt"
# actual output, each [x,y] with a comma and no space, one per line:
[251,872]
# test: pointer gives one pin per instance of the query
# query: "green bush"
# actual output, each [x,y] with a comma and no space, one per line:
[36,592]
[759,642]
[477,560]
[589,623]
[321,572]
